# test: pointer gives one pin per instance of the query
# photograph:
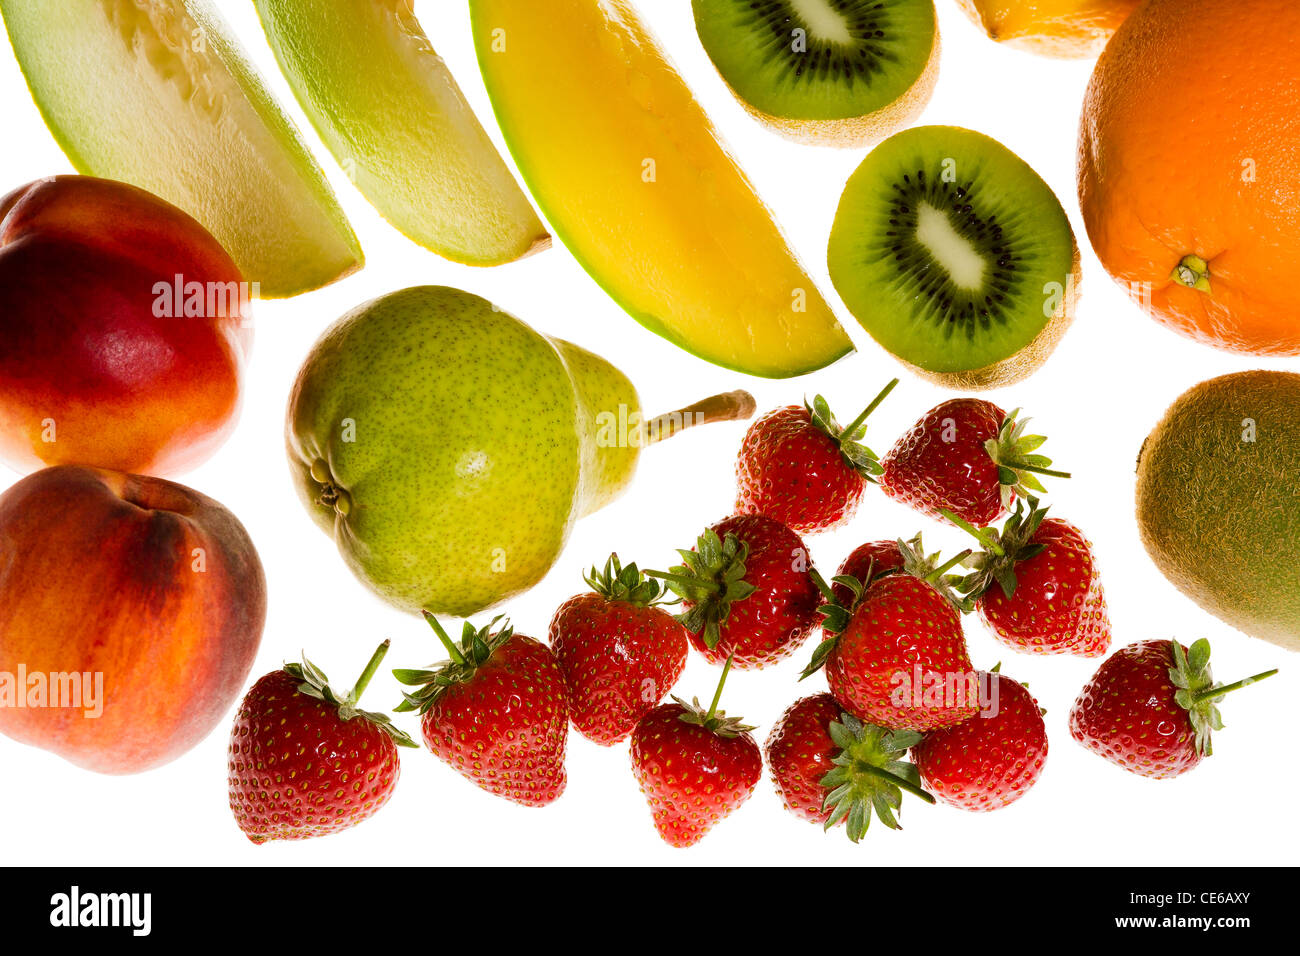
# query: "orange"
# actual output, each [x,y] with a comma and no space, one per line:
[1064,28]
[1189,168]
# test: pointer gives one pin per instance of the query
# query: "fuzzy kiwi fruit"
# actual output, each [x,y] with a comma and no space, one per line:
[1216,500]
[956,257]
[830,72]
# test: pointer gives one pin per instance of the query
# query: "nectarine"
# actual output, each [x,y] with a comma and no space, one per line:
[124,330]
[131,609]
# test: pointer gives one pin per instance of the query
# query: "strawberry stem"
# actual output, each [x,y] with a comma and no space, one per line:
[363,681]
[821,584]
[717,694]
[726,407]
[979,534]
[1050,473]
[1210,693]
[947,566]
[895,779]
[866,413]
[452,650]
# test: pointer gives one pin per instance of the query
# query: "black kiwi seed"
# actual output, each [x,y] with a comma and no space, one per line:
[959,310]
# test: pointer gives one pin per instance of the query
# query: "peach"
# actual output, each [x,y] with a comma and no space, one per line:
[131,610]
[124,327]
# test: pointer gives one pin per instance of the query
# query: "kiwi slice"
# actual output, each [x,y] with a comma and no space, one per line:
[831,72]
[956,257]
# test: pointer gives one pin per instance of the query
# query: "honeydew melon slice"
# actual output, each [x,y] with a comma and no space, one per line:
[389,110]
[158,93]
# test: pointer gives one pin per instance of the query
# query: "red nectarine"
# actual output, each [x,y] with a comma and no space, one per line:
[124,330]
[140,587]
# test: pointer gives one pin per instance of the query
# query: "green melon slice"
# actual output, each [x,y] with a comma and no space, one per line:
[389,110]
[158,93]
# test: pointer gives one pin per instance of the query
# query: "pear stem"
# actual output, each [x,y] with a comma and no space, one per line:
[726,407]
[363,681]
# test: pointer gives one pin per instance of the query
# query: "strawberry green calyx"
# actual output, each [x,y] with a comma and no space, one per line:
[476,646]
[626,584]
[869,775]
[1002,551]
[314,683]
[712,579]
[1015,454]
[1198,694]
[836,614]
[849,437]
[713,719]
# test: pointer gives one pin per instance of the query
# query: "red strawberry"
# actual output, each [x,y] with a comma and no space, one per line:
[620,653]
[497,712]
[694,766]
[1151,707]
[966,456]
[991,760]
[895,656]
[798,466]
[868,562]
[831,768]
[304,763]
[1037,587]
[747,591]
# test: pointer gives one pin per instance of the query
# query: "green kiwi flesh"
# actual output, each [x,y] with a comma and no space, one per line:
[818,59]
[955,256]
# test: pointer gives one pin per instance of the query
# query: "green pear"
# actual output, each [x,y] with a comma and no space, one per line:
[448,447]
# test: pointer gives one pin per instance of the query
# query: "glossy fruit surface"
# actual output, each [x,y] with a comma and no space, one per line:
[991,760]
[1058,28]
[747,592]
[112,360]
[635,180]
[160,95]
[497,713]
[901,661]
[306,763]
[692,775]
[620,652]
[1196,210]
[389,110]
[149,596]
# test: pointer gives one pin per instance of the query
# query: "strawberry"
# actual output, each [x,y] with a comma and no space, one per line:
[1036,585]
[895,655]
[965,456]
[695,767]
[497,712]
[620,653]
[1151,706]
[305,763]
[747,591]
[991,760]
[868,562]
[830,768]
[798,466]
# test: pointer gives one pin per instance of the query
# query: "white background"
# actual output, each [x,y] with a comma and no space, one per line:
[1097,398]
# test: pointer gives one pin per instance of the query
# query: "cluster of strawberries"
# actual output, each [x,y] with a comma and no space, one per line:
[304,762]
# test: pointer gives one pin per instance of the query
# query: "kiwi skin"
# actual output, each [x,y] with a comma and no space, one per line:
[855,131]
[1217,514]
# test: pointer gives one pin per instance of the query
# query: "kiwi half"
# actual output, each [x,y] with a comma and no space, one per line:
[829,72]
[956,257]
